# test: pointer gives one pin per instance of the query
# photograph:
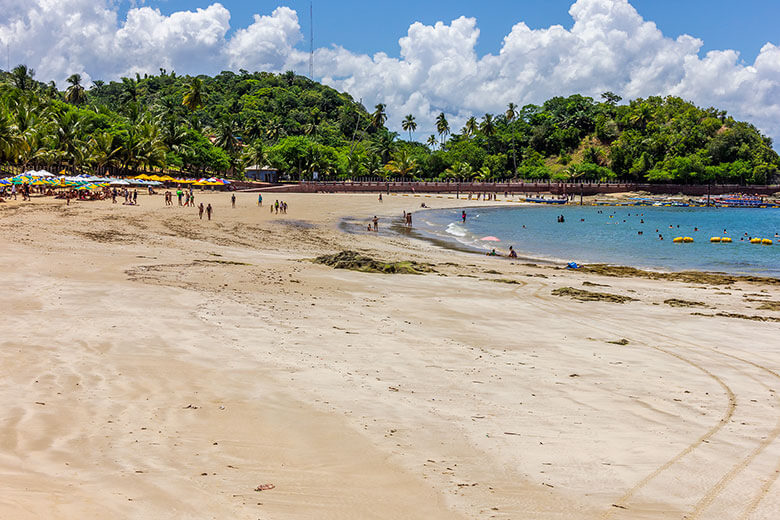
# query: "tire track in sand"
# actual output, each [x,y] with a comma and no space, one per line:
[711,495]
[729,412]
[773,435]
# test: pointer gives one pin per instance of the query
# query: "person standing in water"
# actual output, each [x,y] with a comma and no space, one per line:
[463,215]
[233,200]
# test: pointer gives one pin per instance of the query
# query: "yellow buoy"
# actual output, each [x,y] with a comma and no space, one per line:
[715,239]
[725,240]
[677,240]
[688,239]
[766,242]
[755,240]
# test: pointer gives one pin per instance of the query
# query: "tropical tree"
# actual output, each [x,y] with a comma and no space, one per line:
[384,145]
[402,164]
[432,142]
[75,94]
[511,115]
[379,116]
[102,151]
[193,98]
[22,77]
[255,154]
[471,126]
[487,126]
[409,125]
[442,127]
[226,138]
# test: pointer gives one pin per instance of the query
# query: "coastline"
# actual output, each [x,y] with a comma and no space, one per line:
[471,391]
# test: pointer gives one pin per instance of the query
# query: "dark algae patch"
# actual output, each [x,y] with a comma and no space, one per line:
[356,262]
[674,302]
[682,276]
[769,306]
[588,296]
[738,316]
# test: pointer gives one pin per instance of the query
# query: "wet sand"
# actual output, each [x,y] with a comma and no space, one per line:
[158,366]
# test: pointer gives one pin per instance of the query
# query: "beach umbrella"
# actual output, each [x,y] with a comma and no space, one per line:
[490,239]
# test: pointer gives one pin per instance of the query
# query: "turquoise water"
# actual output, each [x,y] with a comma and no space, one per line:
[611,235]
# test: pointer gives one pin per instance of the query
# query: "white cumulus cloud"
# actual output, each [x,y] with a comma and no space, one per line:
[608,47]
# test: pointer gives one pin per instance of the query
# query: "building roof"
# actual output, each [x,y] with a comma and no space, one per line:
[257,167]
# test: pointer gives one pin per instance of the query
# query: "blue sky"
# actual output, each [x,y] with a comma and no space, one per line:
[371,26]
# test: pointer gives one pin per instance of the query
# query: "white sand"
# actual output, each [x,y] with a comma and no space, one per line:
[138,352]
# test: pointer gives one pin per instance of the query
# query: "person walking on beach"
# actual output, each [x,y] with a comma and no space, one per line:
[208,211]
[200,211]
[233,200]
[179,194]
[380,197]
[135,196]
[260,199]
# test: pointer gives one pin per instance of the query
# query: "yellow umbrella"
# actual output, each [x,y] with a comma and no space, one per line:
[167,178]
[143,176]
[154,178]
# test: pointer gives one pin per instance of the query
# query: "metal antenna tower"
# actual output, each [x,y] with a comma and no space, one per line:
[311,40]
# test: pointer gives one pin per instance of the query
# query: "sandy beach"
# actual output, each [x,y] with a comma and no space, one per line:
[155,365]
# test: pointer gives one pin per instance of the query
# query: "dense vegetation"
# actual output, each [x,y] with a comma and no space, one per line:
[222,124]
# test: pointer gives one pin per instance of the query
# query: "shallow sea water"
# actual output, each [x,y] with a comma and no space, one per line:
[611,235]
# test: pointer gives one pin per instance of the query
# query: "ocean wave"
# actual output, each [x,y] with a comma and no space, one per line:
[455,230]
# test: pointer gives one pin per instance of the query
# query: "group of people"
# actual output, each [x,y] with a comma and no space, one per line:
[278,207]
[185,198]
[131,198]
[511,254]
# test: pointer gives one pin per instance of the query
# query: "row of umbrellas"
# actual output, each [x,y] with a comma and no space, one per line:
[90,182]
[210,181]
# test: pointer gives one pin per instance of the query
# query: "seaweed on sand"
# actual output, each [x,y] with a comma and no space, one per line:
[674,302]
[682,276]
[588,296]
[357,262]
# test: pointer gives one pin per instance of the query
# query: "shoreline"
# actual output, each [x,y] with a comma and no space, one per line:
[452,244]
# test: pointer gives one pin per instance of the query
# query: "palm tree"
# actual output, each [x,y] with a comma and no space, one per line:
[402,164]
[22,77]
[511,115]
[471,126]
[379,116]
[432,142]
[384,145]
[255,154]
[442,127]
[275,129]
[102,151]
[460,171]
[129,93]
[226,138]
[8,137]
[75,94]
[487,126]
[373,165]
[409,125]
[193,98]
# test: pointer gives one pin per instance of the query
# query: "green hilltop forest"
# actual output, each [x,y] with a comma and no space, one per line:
[219,125]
